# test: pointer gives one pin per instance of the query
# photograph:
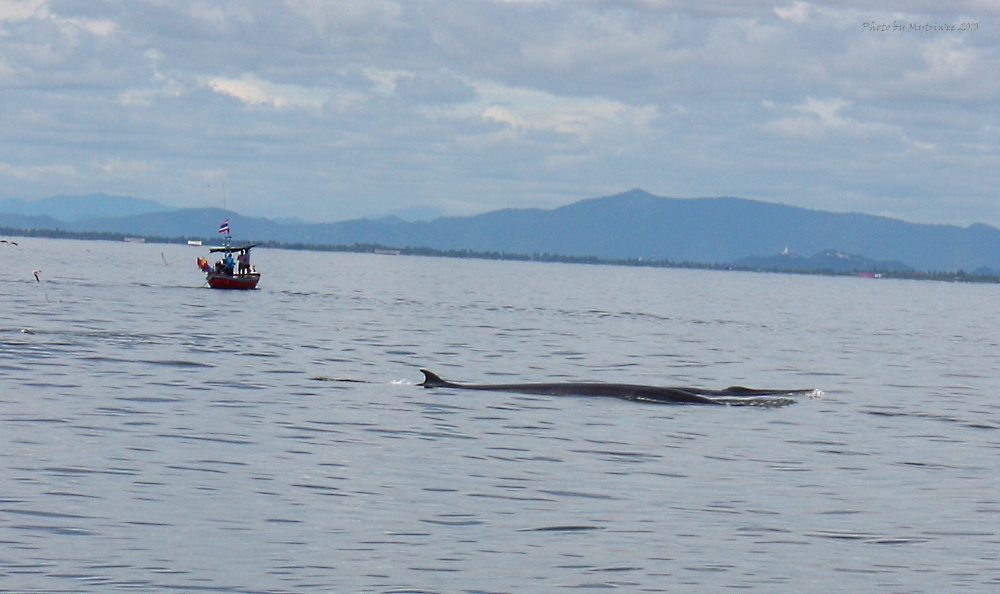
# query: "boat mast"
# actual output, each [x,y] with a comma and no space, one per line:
[225,216]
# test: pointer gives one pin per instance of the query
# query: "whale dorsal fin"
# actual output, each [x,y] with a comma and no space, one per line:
[431,380]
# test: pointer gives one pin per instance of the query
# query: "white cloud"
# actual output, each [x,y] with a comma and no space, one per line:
[819,118]
[98,28]
[255,92]
[587,120]
[946,61]
[247,90]
[797,12]
[21,10]
[118,167]
[826,111]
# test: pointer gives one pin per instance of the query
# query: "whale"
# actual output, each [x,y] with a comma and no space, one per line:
[632,392]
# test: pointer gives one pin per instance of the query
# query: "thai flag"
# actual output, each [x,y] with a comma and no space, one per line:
[224,227]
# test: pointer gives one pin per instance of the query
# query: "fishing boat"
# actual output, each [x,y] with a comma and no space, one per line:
[230,272]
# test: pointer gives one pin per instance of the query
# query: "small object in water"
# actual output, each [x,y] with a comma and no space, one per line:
[35,272]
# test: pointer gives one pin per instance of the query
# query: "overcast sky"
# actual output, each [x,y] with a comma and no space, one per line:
[337,109]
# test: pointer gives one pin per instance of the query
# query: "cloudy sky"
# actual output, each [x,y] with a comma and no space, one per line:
[336,109]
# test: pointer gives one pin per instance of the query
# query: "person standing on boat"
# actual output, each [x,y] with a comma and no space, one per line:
[228,264]
[244,261]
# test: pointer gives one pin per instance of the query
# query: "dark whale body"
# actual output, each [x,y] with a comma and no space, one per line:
[635,392]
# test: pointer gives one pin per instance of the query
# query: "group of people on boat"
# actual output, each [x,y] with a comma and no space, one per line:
[230,266]
[241,265]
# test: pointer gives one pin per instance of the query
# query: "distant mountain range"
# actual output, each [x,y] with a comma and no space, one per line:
[629,226]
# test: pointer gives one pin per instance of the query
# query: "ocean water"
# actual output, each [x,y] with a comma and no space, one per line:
[161,436]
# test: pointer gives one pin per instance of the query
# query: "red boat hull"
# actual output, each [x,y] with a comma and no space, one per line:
[239,281]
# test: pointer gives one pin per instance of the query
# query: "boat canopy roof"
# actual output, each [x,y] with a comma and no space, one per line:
[233,248]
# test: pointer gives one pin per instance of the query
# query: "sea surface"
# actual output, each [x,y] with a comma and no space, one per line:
[160,436]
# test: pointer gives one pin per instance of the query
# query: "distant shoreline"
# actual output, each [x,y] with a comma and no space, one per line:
[364,248]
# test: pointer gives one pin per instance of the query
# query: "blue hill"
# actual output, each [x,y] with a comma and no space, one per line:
[637,225]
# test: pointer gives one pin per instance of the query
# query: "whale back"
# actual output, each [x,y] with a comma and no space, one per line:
[624,391]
